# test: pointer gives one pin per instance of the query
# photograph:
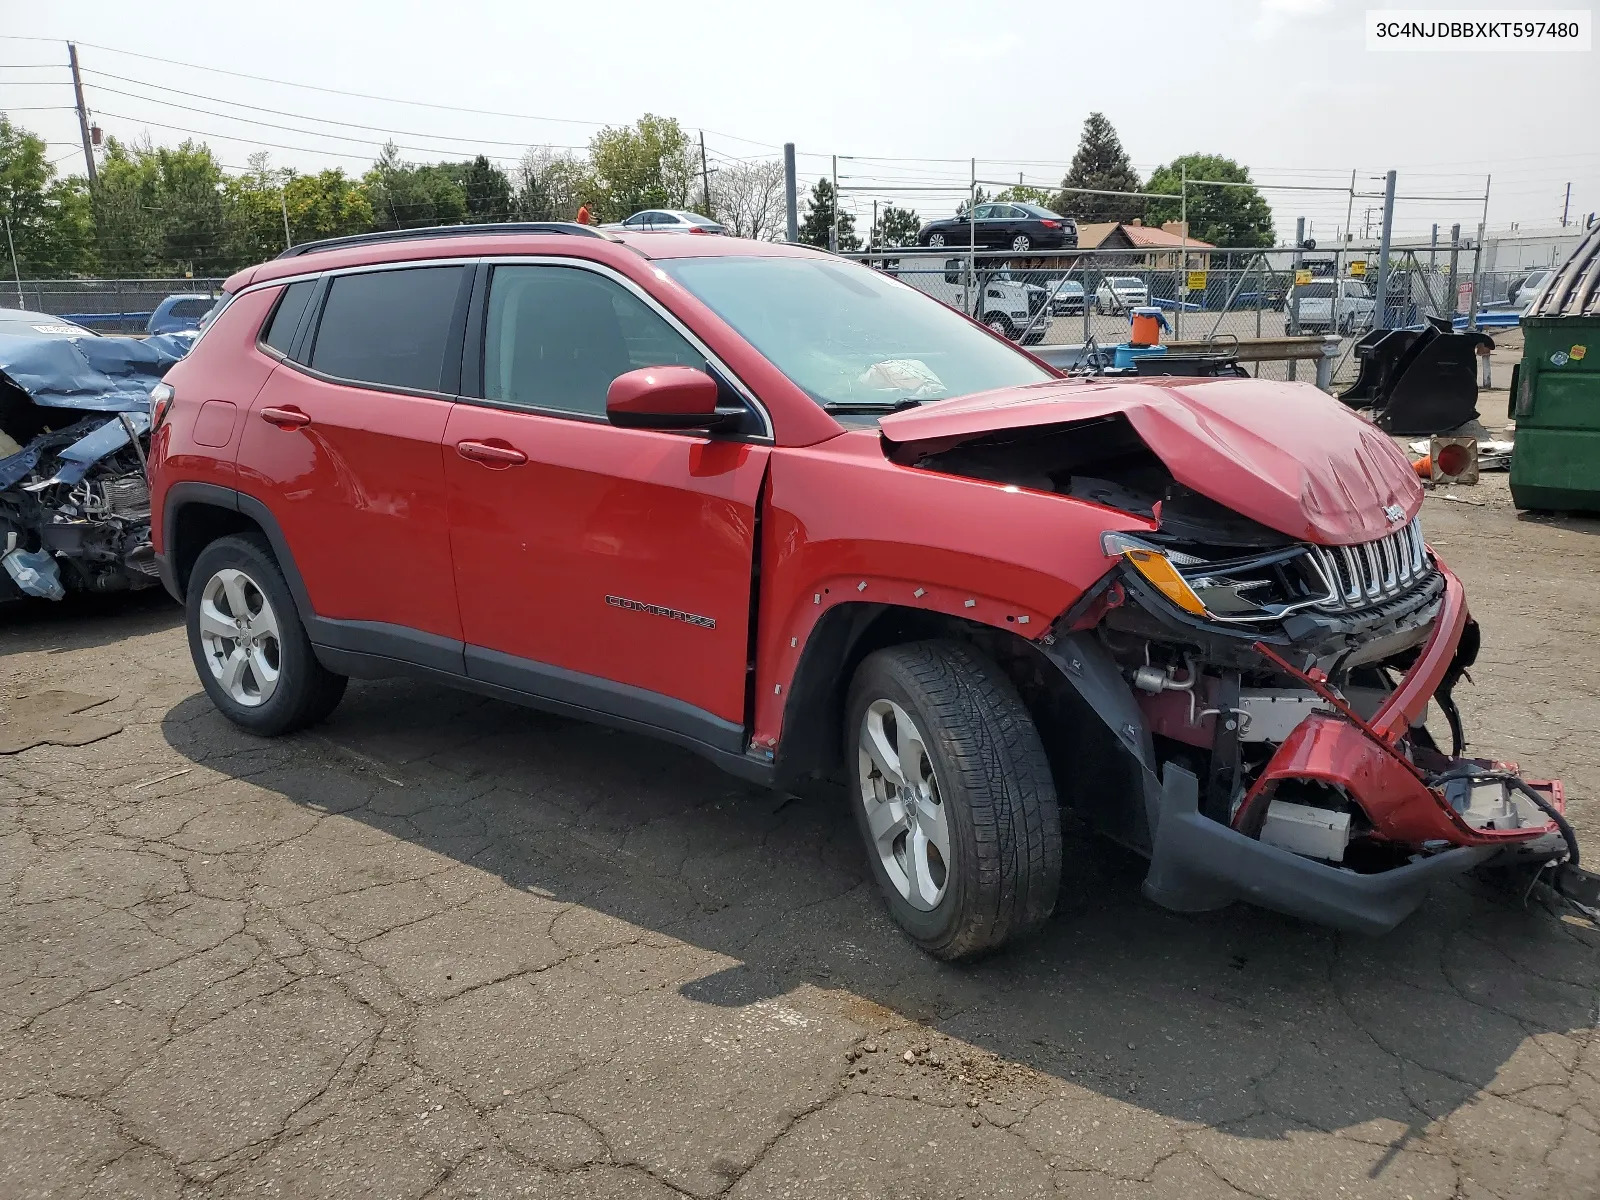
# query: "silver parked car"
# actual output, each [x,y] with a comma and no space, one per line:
[668,220]
[1119,293]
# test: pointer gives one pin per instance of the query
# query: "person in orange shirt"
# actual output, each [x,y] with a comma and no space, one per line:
[583,214]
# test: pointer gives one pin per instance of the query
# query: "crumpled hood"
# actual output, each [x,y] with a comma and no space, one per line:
[1284,454]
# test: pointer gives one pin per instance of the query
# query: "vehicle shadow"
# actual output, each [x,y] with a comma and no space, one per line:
[1569,522]
[1239,1018]
[93,620]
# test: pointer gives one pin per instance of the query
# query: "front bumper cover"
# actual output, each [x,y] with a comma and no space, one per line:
[1198,864]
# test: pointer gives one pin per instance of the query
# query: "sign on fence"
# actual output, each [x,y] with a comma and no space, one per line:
[1197,281]
[1464,296]
[1302,276]
[1358,268]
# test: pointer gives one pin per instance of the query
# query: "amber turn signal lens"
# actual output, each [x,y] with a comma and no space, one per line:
[1164,577]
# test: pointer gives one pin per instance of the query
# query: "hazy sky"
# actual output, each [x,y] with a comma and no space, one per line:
[1284,86]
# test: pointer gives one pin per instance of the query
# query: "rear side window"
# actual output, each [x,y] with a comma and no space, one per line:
[286,317]
[388,327]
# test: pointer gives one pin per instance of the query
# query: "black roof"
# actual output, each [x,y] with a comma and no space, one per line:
[436,231]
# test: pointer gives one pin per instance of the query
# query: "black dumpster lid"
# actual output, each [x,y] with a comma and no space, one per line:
[1573,290]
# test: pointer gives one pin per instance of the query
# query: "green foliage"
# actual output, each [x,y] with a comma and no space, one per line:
[409,196]
[816,226]
[159,211]
[553,186]
[324,205]
[979,196]
[896,227]
[1223,216]
[49,220]
[643,165]
[1102,164]
[1029,195]
[488,192]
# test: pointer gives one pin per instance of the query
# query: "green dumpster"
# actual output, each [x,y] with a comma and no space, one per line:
[1555,390]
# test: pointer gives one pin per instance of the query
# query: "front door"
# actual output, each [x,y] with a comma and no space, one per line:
[605,567]
[343,446]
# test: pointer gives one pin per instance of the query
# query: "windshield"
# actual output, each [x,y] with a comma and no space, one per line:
[1314,291]
[849,336]
[1125,282]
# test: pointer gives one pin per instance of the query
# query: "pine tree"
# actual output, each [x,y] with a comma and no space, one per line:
[817,225]
[897,227]
[1100,163]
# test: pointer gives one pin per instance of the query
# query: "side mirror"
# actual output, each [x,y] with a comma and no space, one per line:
[663,398]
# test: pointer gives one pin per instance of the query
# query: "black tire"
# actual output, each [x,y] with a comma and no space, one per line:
[1001,324]
[306,691]
[998,796]
[1021,244]
[935,239]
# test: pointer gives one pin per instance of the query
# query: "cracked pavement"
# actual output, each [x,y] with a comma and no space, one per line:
[444,947]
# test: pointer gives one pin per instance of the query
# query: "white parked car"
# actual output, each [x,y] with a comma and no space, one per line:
[1119,293]
[1321,313]
[668,220]
[1522,295]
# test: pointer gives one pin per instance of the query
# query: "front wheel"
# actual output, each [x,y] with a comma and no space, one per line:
[1000,324]
[936,239]
[249,647]
[953,795]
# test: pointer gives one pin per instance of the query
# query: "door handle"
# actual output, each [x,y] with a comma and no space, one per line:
[285,418]
[490,454]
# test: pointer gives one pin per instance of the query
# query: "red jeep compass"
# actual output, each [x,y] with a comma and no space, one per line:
[788,512]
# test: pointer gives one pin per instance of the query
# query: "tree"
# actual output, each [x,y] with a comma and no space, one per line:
[488,191]
[979,196]
[324,205]
[1223,216]
[896,227]
[160,211]
[816,228]
[1022,194]
[749,197]
[408,196]
[1101,164]
[643,165]
[552,185]
[49,220]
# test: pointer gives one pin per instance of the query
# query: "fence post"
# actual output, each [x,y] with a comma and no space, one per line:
[1455,260]
[1294,304]
[1384,237]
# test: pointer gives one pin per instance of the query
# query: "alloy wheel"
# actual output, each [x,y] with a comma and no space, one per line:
[906,817]
[239,633]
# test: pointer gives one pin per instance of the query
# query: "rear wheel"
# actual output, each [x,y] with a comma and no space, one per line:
[936,239]
[1022,243]
[953,796]
[249,647]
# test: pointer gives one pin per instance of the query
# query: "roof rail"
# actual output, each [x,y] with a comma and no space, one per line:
[437,231]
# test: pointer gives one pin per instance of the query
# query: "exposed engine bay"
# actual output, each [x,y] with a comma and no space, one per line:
[1279,697]
[74,429]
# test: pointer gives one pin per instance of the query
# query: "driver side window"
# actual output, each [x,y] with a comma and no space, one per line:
[555,338]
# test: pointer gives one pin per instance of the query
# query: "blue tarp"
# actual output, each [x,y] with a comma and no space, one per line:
[96,374]
[89,374]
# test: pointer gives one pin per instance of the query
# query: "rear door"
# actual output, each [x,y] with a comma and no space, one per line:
[605,567]
[342,445]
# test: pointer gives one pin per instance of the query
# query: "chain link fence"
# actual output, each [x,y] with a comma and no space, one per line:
[104,305]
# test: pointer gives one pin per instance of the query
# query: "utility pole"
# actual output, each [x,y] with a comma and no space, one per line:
[1433,248]
[705,176]
[83,116]
[1385,235]
[1565,205]
[791,201]
[833,230]
[283,198]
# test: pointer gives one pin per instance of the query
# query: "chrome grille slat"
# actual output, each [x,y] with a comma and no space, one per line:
[1375,571]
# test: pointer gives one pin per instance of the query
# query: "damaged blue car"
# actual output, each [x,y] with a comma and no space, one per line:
[74,428]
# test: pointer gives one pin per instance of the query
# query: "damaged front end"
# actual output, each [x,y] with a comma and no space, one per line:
[1267,695]
[74,429]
